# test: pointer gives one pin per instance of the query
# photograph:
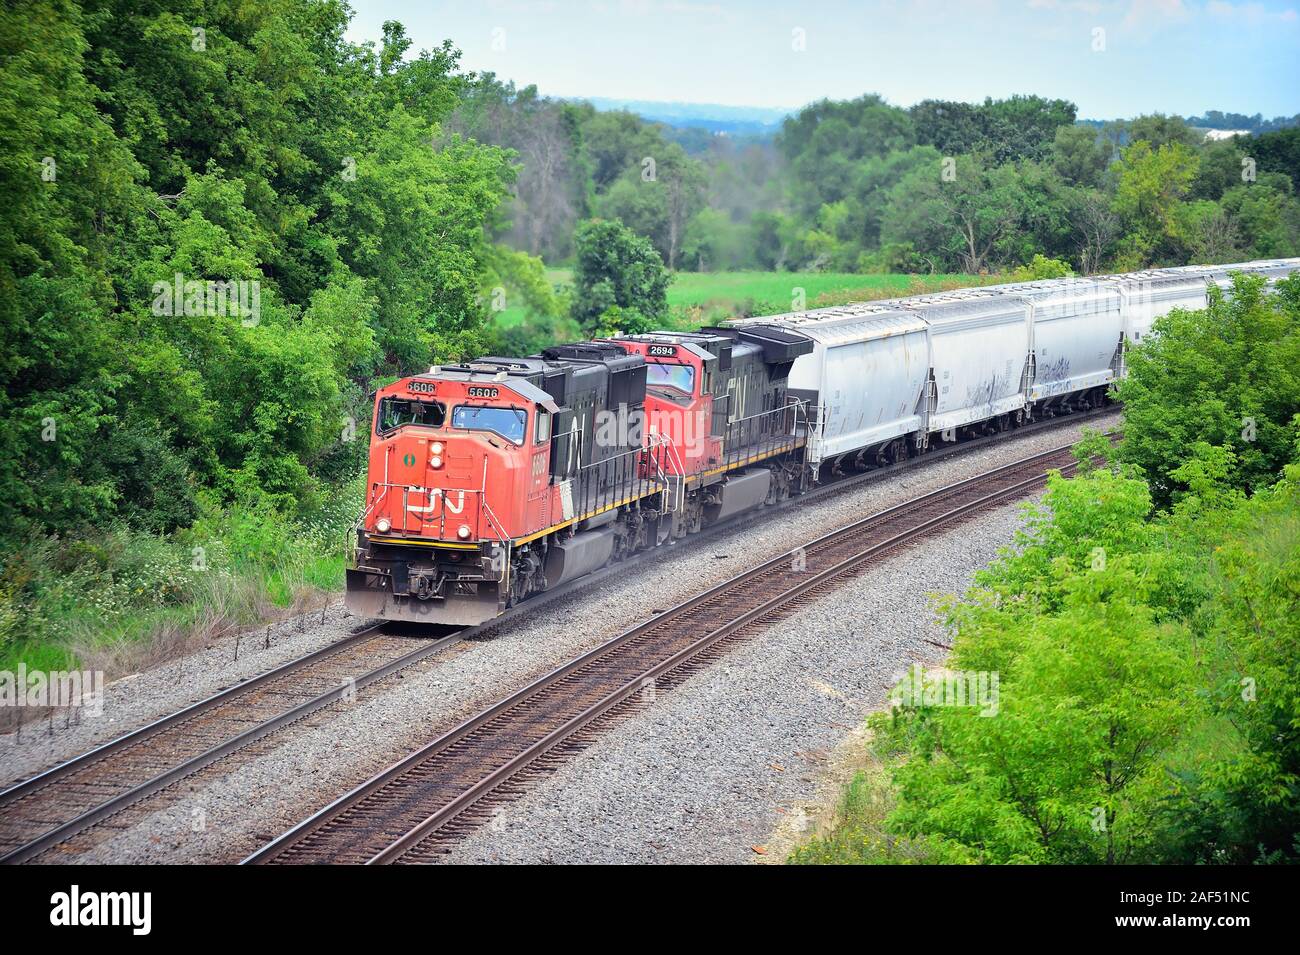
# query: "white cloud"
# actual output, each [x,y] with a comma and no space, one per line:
[1149,13]
[1252,14]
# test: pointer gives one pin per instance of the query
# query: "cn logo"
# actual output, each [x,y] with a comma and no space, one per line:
[436,497]
[409,460]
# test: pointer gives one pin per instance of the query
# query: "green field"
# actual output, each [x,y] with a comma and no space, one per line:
[699,297]
[725,289]
[705,298]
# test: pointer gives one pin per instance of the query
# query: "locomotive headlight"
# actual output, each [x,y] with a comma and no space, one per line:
[383,524]
[435,462]
[435,448]
[463,532]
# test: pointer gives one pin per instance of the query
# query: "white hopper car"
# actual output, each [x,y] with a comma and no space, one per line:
[890,377]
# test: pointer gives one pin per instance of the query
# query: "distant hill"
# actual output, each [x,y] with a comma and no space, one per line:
[712,117]
[763,121]
[1224,122]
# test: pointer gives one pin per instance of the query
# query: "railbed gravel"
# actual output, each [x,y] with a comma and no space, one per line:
[231,808]
[137,699]
[699,775]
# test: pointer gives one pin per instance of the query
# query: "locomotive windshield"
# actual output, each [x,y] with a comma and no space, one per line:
[507,422]
[678,377]
[398,412]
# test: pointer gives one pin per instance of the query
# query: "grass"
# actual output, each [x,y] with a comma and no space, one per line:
[118,599]
[517,314]
[857,833]
[730,289]
[701,298]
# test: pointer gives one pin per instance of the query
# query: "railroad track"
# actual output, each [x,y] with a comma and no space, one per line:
[38,814]
[413,811]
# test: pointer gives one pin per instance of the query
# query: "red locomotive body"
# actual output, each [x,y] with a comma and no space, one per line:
[678,403]
[494,480]
[459,464]
[460,458]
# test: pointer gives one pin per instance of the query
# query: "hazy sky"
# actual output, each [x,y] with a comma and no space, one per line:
[1111,57]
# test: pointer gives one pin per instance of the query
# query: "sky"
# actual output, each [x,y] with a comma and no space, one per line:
[1113,58]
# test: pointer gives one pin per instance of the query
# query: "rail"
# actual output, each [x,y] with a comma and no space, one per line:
[415,808]
[79,794]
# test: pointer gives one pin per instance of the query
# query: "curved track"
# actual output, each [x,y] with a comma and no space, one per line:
[39,813]
[412,810]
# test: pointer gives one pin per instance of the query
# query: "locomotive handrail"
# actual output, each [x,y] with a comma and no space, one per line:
[740,439]
[348,556]
[601,485]
[665,447]
[492,520]
[668,449]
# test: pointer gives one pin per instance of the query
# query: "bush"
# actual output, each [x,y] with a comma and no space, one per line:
[75,595]
[1227,376]
[619,279]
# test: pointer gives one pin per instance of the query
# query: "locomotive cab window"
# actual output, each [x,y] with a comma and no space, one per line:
[677,377]
[543,432]
[395,412]
[509,423]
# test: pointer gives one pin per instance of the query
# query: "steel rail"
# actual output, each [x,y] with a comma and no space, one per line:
[191,765]
[466,800]
[59,770]
[458,805]
[110,807]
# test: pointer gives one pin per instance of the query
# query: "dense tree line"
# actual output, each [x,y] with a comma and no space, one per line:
[223,222]
[862,185]
[145,144]
[963,187]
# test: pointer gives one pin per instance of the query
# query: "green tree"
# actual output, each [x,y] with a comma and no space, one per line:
[960,217]
[1248,804]
[1228,376]
[1268,214]
[620,281]
[824,143]
[1277,152]
[658,199]
[1021,127]
[1080,155]
[1068,766]
[254,144]
[1152,184]
[1161,130]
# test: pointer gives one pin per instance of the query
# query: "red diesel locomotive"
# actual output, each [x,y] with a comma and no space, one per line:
[504,477]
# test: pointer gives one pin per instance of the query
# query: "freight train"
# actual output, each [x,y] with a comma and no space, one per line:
[500,478]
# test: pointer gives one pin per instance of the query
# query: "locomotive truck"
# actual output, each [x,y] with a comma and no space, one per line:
[500,478]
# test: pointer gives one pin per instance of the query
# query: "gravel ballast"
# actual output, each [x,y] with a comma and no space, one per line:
[133,701]
[232,807]
[698,776]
